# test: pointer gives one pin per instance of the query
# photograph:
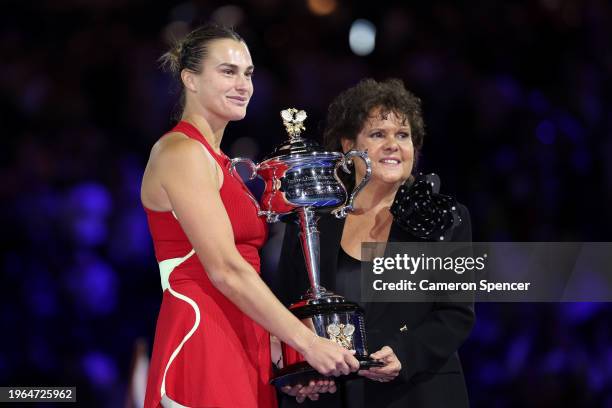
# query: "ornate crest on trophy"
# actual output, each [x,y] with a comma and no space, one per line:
[293,120]
[342,334]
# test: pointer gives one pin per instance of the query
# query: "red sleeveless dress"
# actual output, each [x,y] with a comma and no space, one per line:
[207,353]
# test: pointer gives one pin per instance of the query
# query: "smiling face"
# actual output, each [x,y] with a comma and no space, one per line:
[224,87]
[388,141]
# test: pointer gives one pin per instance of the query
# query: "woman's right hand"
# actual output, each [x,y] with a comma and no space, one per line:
[329,358]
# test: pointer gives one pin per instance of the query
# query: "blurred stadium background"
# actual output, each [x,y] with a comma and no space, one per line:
[517,98]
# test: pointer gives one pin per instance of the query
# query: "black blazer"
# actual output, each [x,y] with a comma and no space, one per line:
[426,345]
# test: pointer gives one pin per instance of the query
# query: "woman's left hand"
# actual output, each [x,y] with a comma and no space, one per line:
[312,390]
[387,372]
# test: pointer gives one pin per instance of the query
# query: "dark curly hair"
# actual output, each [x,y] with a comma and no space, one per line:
[349,111]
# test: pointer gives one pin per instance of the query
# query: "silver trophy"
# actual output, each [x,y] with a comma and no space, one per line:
[301,180]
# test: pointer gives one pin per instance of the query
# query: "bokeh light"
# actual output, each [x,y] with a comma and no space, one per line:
[362,37]
[322,7]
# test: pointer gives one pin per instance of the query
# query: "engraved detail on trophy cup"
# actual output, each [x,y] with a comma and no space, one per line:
[316,183]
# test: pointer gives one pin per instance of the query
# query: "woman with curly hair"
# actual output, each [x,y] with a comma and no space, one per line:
[417,342]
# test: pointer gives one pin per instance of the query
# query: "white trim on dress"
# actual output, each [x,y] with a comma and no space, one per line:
[165,269]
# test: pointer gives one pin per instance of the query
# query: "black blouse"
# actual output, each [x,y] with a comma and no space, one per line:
[348,284]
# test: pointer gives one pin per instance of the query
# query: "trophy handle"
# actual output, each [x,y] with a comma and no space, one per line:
[348,207]
[236,161]
[270,215]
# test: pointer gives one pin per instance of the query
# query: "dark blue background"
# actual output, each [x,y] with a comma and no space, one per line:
[518,107]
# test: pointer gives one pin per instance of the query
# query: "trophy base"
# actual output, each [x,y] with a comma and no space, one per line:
[303,373]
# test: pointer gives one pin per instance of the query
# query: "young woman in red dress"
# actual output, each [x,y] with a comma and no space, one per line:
[212,343]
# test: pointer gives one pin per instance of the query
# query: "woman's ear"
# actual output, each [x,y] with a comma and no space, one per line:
[347,144]
[189,80]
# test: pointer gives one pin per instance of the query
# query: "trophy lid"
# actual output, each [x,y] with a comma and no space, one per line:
[294,124]
[291,147]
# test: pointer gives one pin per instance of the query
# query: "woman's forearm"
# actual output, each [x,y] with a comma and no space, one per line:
[241,284]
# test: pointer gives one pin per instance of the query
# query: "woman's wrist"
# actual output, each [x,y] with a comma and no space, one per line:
[304,341]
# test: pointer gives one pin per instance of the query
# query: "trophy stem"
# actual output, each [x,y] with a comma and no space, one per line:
[309,236]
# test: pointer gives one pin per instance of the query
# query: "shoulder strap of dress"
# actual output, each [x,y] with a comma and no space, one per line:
[192,132]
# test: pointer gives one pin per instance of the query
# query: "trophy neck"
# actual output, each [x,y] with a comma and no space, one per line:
[309,237]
